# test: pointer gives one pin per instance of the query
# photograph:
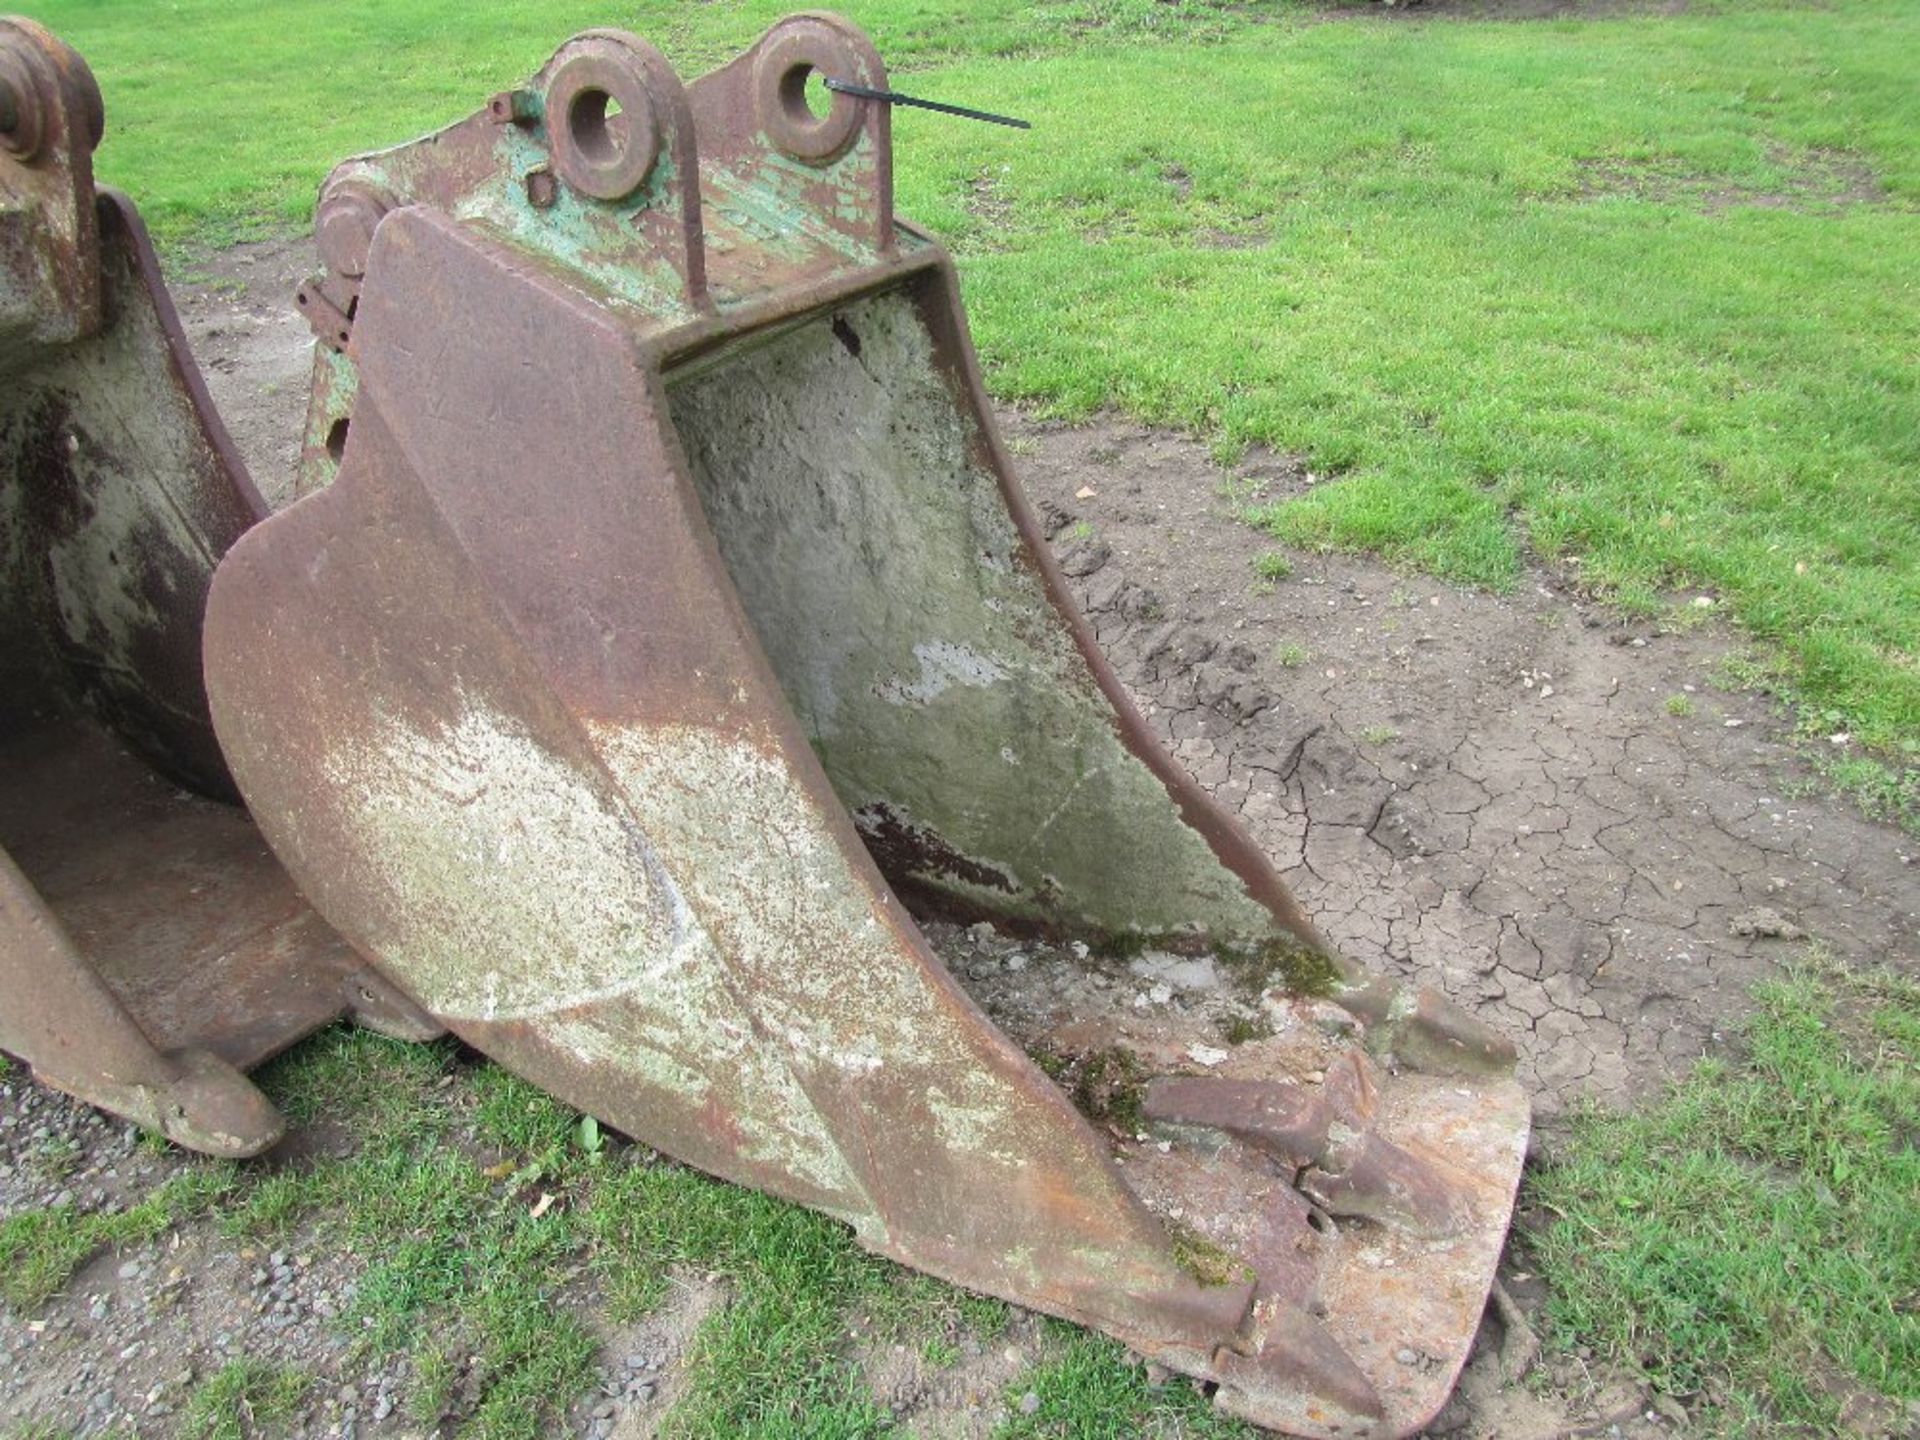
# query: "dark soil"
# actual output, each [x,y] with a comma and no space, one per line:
[1810,180]
[1487,793]
[1505,9]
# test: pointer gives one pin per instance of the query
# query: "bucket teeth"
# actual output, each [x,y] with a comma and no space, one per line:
[1325,1392]
[1324,1134]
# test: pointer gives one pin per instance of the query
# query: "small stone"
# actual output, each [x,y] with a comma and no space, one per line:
[130,1270]
[1406,1356]
[1765,923]
[1030,1403]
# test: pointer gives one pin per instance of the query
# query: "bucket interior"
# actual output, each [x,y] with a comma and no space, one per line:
[108,763]
[844,471]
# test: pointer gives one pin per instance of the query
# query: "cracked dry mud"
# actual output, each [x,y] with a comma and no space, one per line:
[1484,793]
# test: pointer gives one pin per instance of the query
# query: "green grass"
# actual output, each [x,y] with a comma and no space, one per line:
[1751,1241]
[244,1399]
[1748,1241]
[1088,1393]
[1273,566]
[494,1221]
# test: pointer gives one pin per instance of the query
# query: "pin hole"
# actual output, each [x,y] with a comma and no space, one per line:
[598,124]
[804,94]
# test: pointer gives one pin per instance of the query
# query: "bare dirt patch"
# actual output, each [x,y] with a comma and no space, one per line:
[986,201]
[1810,180]
[646,1363]
[136,1331]
[1506,9]
[954,1396]
[1491,794]
[1487,793]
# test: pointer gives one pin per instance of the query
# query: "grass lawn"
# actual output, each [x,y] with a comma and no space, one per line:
[1754,1238]
[1634,295]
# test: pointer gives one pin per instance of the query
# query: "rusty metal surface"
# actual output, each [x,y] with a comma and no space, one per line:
[50,120]
[150,945]
[655,549]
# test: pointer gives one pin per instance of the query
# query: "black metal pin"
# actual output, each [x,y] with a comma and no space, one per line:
[894,97]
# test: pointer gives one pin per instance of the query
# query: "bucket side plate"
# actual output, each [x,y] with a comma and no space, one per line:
[493,702]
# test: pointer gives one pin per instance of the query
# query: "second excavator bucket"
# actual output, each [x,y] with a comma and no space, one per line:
[151,947]
[662,664]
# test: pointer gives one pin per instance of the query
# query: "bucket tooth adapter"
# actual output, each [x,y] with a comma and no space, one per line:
[661,630]
[151,947]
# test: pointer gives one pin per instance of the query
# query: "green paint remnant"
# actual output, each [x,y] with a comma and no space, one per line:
[335,387]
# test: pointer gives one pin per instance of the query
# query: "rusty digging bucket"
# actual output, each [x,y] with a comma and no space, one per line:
[661,682]
[150,945]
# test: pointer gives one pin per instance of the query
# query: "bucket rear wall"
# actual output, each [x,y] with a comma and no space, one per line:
[914,638]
